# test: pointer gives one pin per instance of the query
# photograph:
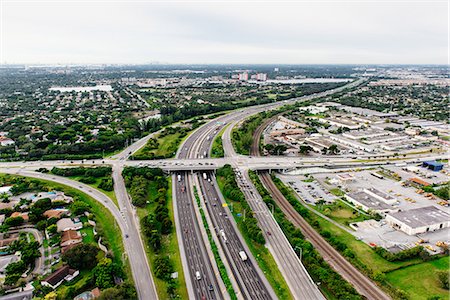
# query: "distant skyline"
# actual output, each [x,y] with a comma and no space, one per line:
[224,32]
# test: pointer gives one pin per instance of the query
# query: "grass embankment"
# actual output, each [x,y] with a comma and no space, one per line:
[364,257]
[166,143]
[262,255]
[340,212]
[215,250]
[168,242]
[95,185]
[97,177]
[242,135]
[217,150]
[421,281]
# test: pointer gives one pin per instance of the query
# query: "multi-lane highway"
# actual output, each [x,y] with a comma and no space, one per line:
[196,256]
[250,279]
[202,280]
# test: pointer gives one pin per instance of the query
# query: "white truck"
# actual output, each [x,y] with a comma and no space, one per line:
[204,176]
[243,255]
[224,237]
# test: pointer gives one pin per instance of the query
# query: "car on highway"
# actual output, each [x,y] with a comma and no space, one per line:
[268,233]
[197,275]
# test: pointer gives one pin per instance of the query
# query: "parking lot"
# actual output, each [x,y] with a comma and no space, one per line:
[311,192]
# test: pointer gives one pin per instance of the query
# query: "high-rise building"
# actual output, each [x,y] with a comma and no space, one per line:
[243,76]
[261,76]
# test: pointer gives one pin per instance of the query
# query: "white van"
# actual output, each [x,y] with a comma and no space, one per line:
[197,275]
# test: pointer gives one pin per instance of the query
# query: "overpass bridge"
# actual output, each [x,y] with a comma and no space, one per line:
[208,164]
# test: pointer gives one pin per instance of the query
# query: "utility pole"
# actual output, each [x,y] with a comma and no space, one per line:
[301,251]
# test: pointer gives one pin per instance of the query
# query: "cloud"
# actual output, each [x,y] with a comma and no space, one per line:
[224,32]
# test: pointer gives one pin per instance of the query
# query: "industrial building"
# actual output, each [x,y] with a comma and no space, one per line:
[433,165]
[382,196]
[419,220]
[368,202]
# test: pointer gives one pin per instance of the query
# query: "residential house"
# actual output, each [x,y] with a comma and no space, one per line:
[65,224]
[55,279]
[70,237]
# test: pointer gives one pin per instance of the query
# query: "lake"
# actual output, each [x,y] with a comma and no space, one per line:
[105,88]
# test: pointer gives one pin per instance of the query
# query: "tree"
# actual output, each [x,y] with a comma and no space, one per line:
[333,149]
[82,256]
[79,207]
[51,296]
[123,291]
[104,273]
[305,149]
[15,221]
[163,267]
[443,279]
[38,208]
[52,229]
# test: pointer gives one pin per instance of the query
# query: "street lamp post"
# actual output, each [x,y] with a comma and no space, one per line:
[301,251]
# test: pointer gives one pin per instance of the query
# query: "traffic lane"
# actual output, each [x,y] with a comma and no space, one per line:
[194,244]
[254,285]
[293,270]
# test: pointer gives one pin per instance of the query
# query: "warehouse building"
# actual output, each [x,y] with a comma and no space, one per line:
[433,165]
[419,220]
[382,196]
[368,202]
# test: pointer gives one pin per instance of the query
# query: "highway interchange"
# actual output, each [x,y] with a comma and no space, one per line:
[190,163]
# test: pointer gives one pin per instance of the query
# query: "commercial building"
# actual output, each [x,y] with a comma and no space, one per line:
[382,196]
[314,109]
[433,165]
[340,122]
[418,182]
[290,131]
[261,76]
[243,76]
[368,202]
[419,220]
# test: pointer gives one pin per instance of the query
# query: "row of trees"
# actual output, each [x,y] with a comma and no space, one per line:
[96,172]
[231,191]
[157,224]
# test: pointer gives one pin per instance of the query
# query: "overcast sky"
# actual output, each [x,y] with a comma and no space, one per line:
[399,32]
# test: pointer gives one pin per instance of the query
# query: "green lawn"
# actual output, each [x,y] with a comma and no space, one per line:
[110,194]
[262,255]
[340,212]
[217,146]
[103,218]
[88,235]
[420,281]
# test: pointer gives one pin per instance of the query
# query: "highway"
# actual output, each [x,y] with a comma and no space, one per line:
[250,279]
[192,155]
[193,249]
